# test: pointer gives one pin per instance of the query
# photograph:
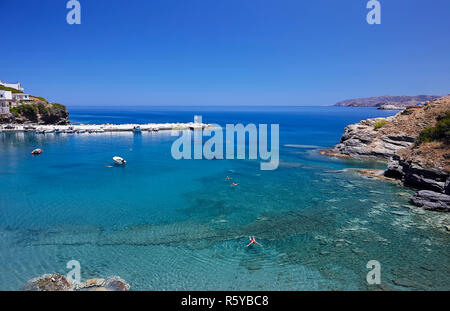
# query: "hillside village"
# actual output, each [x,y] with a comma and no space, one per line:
[12,95]
[16,106]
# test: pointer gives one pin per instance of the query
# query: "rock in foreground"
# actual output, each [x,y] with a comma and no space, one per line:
[432,200]
[59,283]
[48,282]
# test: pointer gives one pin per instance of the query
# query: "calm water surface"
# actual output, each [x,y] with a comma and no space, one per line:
[163,224]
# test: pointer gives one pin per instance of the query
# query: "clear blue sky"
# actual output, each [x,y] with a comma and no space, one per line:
[225,52]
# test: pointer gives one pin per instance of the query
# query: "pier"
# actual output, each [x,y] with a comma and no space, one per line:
[99,128]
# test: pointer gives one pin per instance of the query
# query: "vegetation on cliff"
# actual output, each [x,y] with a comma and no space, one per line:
[380,124]
[439,132]
[41,113]
[12,90]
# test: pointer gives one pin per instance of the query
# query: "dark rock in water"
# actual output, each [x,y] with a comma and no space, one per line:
[48,282]
[432,200]
[414,174]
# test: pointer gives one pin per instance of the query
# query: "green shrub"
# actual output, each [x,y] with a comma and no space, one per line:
[380,124]
[439,132]
[12,90]
[30,111]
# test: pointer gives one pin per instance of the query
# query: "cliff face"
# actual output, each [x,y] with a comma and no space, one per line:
[39,113]
[418,162]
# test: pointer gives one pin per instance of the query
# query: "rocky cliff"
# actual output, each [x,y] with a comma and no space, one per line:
[39,113]
[416,155]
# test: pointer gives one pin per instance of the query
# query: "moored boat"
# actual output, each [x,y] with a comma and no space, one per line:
[119,160]
[37,151]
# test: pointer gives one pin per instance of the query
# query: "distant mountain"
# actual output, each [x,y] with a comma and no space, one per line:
[402,101]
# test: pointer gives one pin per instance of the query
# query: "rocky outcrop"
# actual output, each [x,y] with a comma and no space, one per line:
[363,140]
[424,165]
[416,175]
[434,180]
[57,282]
[39,113]
[48,282]
[432,200]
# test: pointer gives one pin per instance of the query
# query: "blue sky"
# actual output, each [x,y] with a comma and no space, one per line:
[225,52]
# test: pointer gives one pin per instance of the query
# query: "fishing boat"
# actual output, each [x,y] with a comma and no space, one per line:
[119,160]
[29,128]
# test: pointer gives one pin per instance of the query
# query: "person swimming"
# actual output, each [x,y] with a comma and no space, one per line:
[234,184]
[253,241]
[228,178]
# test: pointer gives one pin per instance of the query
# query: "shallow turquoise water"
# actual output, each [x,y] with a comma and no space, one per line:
[163,224]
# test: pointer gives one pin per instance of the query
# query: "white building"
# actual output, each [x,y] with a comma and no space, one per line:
[16,86]
[9,99]
[6,101]
[21,97]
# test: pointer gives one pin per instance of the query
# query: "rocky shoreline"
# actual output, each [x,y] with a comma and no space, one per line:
[424,167]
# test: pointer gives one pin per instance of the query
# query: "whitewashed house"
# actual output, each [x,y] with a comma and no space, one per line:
[16,86]
[18,97]
[6,101]
[9,99]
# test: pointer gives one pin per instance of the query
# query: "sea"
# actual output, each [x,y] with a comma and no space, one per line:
[166,224]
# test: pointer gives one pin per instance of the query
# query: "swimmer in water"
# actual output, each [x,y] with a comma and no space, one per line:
[234,184]
[253,241]
[227,178]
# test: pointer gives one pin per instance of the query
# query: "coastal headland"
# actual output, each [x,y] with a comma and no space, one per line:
[416,145]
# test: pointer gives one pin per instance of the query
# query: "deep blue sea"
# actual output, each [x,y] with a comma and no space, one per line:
[163,224]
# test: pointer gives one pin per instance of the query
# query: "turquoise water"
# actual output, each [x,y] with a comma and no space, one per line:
[163,224]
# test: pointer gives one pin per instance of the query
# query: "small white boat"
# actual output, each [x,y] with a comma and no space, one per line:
[119,160]
[49,131]
[37,151]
